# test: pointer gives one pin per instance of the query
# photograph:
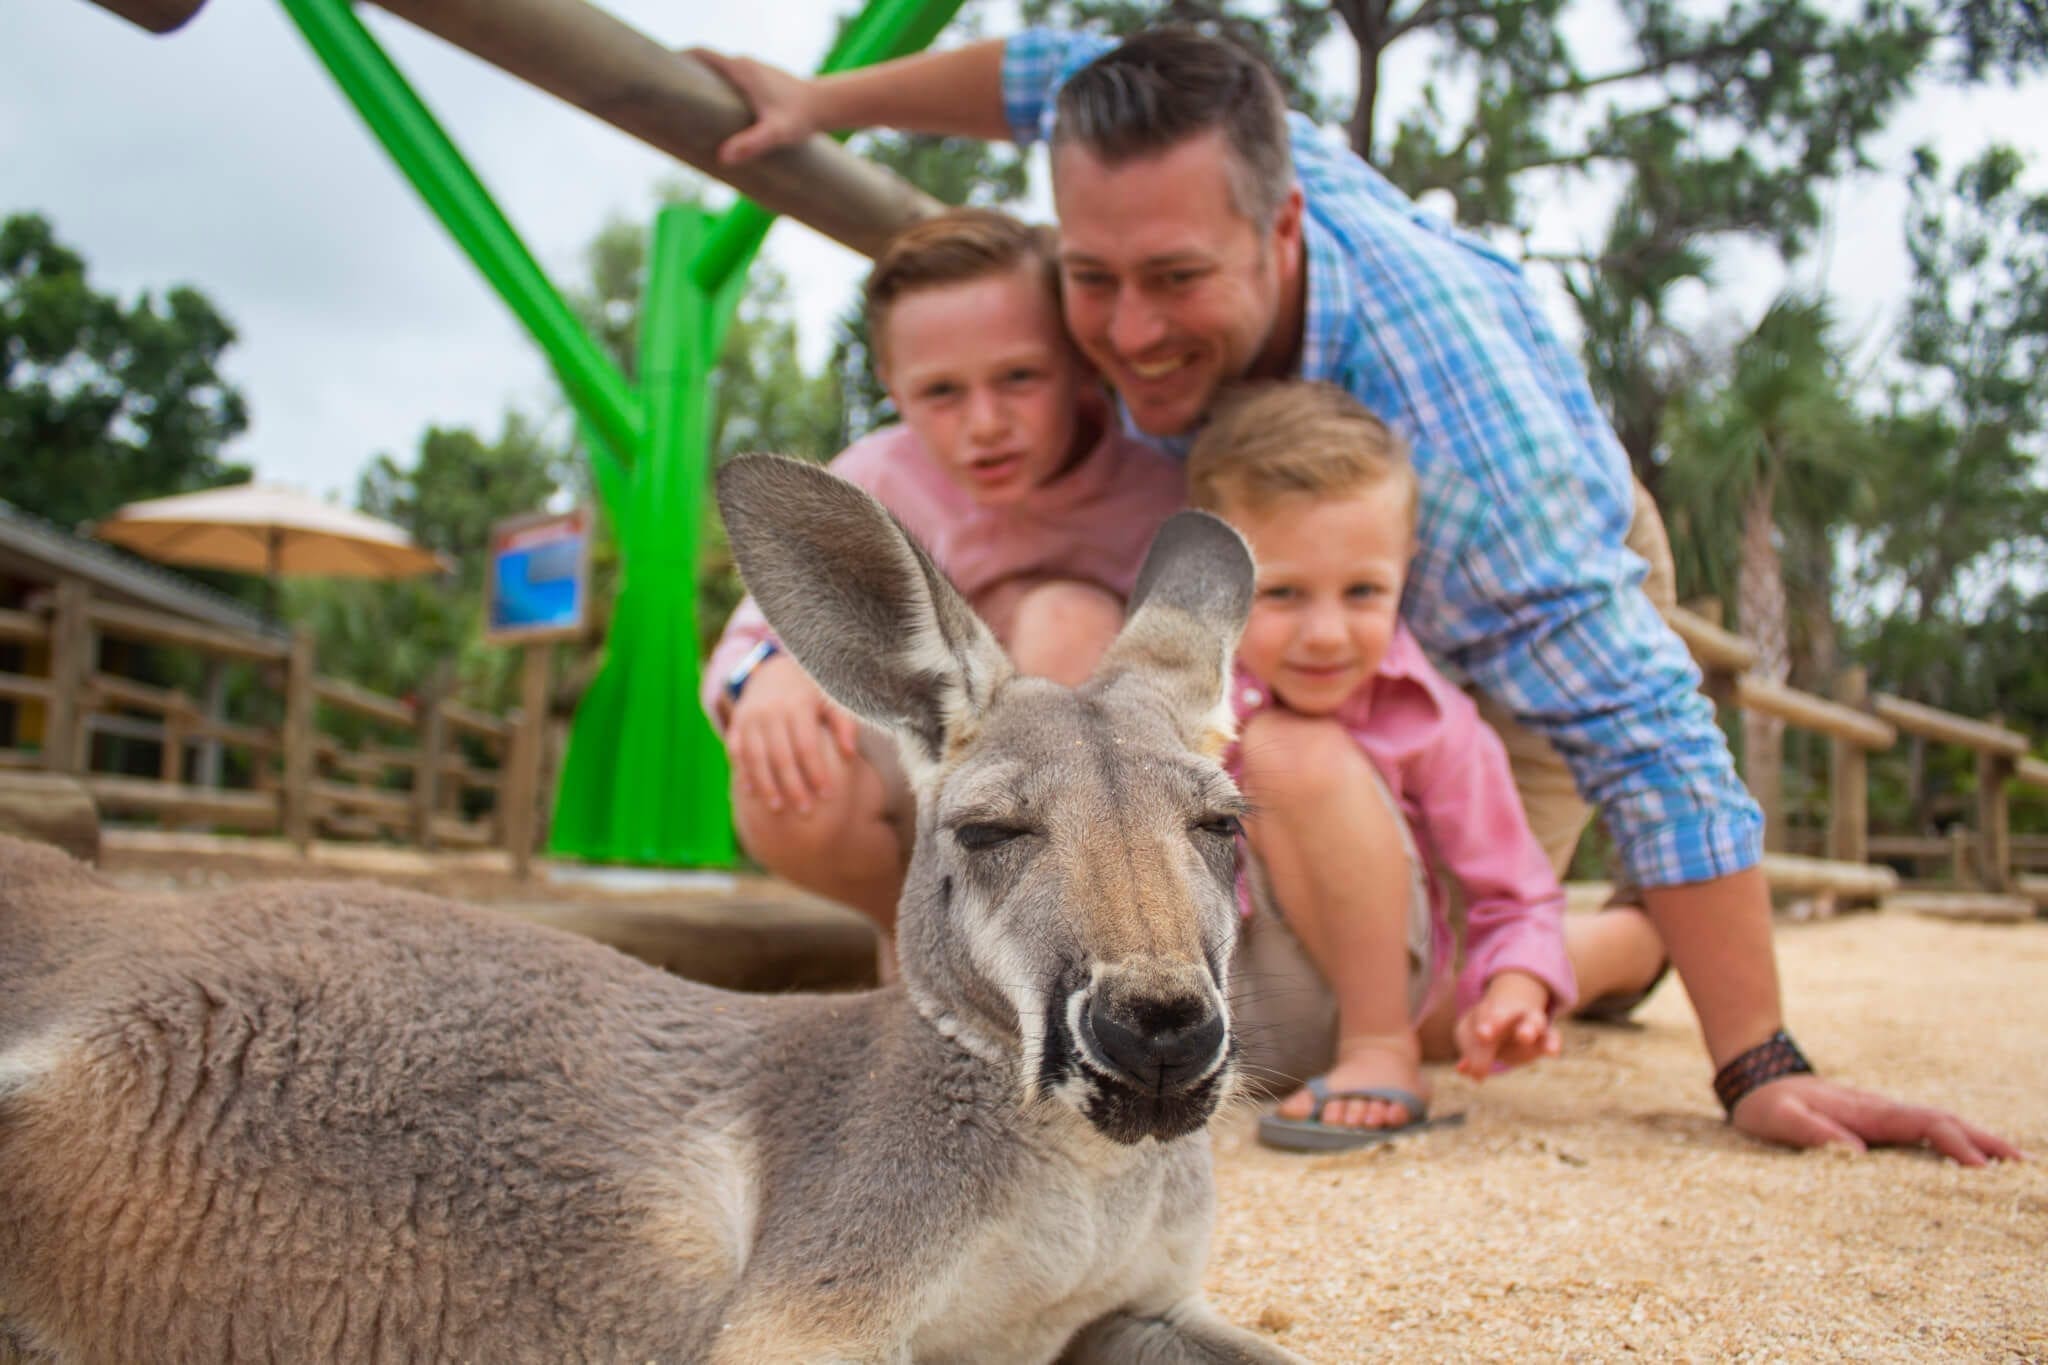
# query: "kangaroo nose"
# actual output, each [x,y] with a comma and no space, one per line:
[1162,1046]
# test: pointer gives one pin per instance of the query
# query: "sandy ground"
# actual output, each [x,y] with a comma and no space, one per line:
[1596,1208]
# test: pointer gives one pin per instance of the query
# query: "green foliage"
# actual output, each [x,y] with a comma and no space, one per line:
[395,638]
[1774,436]
[103,403]
[1956,537]
[459,486]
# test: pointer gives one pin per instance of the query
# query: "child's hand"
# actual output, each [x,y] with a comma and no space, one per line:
[1510,1025]
[788,741]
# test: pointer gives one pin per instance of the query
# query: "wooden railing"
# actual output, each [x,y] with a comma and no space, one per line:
[429,771]
[1990,870]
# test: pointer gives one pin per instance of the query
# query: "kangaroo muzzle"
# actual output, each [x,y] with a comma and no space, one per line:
[1154,1053]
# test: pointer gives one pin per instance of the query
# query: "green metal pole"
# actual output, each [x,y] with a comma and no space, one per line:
[650,773]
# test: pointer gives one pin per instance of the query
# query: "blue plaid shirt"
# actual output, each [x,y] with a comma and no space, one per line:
[1522,581]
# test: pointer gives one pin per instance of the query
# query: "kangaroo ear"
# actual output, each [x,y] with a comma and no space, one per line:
[1186,614]
[859,605]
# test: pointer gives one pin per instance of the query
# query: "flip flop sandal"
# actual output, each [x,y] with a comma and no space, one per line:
[1616,1008]
[1313,1135]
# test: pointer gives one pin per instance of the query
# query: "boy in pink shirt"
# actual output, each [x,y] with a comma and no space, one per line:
[1348,939]
[1008,469]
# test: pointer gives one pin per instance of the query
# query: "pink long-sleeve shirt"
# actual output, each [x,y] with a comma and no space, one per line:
[1448,772]
[1091,524]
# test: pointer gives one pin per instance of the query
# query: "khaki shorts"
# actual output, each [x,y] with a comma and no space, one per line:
[1283,1013]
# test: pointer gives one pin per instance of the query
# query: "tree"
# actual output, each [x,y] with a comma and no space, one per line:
[1767,461]
[459,486]
[102,403]
[394,637]
[1961,508]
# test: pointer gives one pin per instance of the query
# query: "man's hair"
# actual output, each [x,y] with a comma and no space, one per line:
[953,248]
[1266,440]
[1169,84]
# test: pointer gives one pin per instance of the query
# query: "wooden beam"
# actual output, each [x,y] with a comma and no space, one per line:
[363,701]
[1984,906]
[73,652]
[133,623]
[1927,846]
[341,796]
[2031,770]
[583,55]
[20,687]
[482,724]
[1716,650]
[1994,821]
[1946,728]
[519,796]
[300,758]
[247,810]
[1808,712]
[1849,781]
[1861,881]
[23,626]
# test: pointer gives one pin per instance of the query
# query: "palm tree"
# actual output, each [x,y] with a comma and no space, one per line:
[1761,468]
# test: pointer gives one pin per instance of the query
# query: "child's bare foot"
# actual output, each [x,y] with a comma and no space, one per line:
[1392,1061]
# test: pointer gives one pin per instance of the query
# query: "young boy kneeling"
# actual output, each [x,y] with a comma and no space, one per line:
[1009,469]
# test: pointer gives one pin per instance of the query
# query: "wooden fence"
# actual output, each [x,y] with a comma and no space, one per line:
[1991,873]
[426,771]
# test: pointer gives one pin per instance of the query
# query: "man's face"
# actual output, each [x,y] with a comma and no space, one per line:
[1169,289]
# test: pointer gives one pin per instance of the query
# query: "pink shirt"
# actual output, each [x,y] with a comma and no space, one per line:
[1448,771]
[1092,524]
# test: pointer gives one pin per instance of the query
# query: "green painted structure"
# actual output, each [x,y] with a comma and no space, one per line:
[645,779]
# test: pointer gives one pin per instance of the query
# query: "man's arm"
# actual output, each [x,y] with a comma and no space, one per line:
[955,93]
[1718,933]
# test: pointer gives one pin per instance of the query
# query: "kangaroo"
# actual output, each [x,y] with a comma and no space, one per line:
[329,1122]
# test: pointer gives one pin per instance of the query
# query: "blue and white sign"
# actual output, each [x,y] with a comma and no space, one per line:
[539,577]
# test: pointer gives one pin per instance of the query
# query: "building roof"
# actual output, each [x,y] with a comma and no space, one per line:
[31,547]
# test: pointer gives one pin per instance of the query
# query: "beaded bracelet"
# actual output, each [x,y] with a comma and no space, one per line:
[1775,1056]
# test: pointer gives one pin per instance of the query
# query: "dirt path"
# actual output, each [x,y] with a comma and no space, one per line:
[1597,1209]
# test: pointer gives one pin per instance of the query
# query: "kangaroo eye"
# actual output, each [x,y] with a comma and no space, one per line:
[1222,826]
[978,838]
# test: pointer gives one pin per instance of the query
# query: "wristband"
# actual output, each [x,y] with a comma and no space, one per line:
[1775,1056]
[755,657]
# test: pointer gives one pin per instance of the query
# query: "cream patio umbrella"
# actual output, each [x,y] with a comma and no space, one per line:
[266,529]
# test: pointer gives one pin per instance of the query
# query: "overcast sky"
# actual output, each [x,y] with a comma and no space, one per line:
[223,157]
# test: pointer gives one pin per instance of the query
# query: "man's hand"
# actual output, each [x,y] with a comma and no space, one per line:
[1510,1025]
[784,112]
[1807,1111]
[788,741]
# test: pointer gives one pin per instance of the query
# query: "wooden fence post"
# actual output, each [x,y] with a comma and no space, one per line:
[207,761]
[433,742]
[519,794]
[1849,781]
[1961,850]
[71,669]
[299,738]
[1994,819]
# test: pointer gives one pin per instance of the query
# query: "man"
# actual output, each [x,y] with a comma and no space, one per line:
[1207,236]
